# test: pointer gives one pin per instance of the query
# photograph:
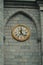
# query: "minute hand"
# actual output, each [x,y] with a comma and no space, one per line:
[23,33]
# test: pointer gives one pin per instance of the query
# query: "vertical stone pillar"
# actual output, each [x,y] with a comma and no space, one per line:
[1,33]
[41,16]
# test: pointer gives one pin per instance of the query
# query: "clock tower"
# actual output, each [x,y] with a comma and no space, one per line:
[21,32]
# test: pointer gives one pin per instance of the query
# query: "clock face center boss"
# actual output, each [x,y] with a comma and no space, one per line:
[20,32]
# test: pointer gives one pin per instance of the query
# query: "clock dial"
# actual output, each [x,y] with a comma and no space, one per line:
[21,32]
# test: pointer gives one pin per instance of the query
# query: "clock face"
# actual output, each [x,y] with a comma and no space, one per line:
[21,32]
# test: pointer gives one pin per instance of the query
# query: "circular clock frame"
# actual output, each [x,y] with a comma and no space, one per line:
[22,38]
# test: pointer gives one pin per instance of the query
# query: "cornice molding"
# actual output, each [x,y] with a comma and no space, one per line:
[23,4]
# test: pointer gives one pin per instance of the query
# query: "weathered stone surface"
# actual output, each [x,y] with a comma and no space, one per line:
[1,33]
[41,13]
[21,53]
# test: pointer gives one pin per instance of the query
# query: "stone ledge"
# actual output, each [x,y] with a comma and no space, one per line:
[41,8]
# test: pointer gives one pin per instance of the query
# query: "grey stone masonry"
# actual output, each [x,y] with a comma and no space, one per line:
[13,52]
[41,19]
[1,33]
[41,13]
[21,53]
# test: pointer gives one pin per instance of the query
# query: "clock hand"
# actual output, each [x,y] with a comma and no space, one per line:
[22,32]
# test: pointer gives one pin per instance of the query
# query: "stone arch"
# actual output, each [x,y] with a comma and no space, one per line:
[27,14]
